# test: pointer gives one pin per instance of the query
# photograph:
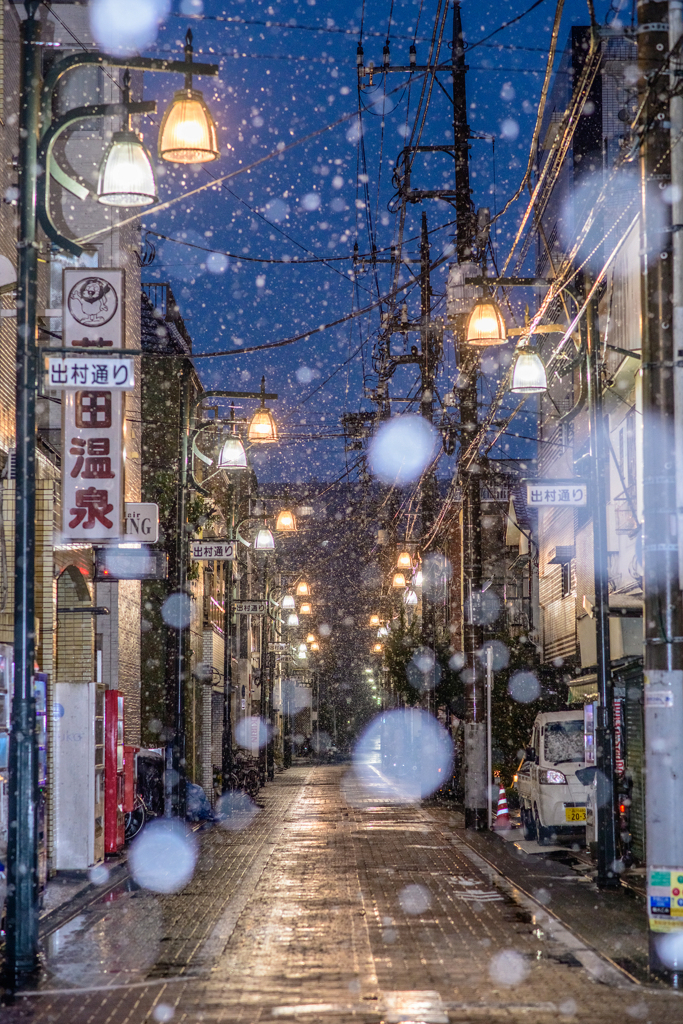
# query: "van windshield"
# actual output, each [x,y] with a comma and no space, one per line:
[564,741]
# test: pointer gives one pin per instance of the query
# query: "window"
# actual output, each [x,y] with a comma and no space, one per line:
[566,579]
[564,741]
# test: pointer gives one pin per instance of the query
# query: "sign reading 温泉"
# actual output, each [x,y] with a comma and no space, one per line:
[571,493]
[92,465]
[92,308]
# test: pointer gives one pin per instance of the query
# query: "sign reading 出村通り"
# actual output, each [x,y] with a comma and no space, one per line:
[570,493]
[78,372]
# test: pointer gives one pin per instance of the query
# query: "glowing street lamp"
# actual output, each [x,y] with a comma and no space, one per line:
[374,620]
[310,639]
[264,540]
[410,598]
[305,609]
[285,522]
[399,581]
[188,133]
[232,455]
[126,172]
[404,560]
[528,376]
[377,648]
[302,589]
[293,619]
[315,646]
[288,603]
[485,324]
[262,429]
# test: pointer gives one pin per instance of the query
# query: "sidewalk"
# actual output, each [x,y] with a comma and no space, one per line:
[612,923]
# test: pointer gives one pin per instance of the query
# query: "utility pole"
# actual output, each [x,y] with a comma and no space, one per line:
[606,779]
[175,787]
[476,813]
[429,356]
[661,583]
[226,739]
[22,852]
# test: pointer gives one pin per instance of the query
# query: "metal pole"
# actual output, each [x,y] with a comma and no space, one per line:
[475,739]
[429,487]
[607,878]
[661,582]
[263,680]
[226,745]
[22,852]
[178,637]
[489,730]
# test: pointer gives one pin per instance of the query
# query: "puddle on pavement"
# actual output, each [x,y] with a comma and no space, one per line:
[101,948]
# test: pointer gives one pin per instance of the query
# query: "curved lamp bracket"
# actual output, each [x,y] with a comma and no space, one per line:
[51,169]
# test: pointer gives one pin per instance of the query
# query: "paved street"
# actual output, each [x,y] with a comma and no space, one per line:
[331,906]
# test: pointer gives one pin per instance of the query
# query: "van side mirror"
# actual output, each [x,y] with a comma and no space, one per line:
[531,754]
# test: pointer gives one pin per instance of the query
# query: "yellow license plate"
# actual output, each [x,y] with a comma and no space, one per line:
[575,813]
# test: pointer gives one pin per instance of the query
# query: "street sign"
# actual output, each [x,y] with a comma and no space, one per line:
[212,551]
[142,521]
[92,465]
[569,493]
[277,648]
[93,308]
[120,563]
[76,372]
[250,607]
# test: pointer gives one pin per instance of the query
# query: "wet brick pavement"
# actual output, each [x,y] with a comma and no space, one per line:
[333,905]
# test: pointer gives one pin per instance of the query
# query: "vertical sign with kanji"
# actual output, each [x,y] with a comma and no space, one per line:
[92,465]
[92,308]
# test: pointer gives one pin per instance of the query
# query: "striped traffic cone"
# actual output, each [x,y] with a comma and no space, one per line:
[502,816]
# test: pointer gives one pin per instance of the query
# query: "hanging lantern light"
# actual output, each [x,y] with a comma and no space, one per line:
[302,589]
[305,609]
[377,648]
[410,598]
[293,619]
[529,376]
[288,603]
[374,620]
[264,540]
[417,582]
[126,173]
[399,581]
[302,653]
[285,522]
[262,429]
[310,638]
[404,560]
[485,324]
[188,133]
[382,631]
[233,455]
[315,646]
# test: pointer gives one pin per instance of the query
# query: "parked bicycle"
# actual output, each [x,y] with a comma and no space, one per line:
[244,775]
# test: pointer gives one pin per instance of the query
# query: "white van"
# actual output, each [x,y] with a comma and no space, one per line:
[551,798]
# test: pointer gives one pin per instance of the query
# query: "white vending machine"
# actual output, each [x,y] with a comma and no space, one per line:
[79,775]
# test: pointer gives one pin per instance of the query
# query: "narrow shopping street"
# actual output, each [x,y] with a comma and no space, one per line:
[329,906]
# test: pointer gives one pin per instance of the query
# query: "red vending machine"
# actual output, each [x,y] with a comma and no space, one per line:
[114,772]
